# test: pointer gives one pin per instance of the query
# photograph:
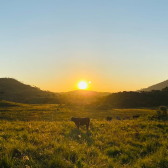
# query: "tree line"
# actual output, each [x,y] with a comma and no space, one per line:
[132,99]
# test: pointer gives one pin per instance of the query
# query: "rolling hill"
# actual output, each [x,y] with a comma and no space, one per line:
[15,91]
[158,86]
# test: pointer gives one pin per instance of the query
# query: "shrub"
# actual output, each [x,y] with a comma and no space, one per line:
[158,112]
[163,109]
[161,112]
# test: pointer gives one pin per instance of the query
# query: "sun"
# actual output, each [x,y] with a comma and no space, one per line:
[82,85]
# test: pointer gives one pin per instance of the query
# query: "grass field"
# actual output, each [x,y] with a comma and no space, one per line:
[41,136]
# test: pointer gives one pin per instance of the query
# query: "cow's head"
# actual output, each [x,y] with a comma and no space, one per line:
[71,119]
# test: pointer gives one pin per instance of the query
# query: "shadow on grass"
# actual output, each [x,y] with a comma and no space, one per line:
[81,137]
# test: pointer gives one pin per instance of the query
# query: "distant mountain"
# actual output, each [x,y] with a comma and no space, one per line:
[158,86]
[15,91]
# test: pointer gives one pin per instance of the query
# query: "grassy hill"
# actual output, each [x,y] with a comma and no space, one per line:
[15,91]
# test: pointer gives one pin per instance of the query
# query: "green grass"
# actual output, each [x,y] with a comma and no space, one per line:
[41,136]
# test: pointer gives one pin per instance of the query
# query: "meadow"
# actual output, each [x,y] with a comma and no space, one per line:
[41,136]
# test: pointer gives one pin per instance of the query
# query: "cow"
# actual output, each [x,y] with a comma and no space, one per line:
[126,118]
[108,118]
[118,118]
[81,121]
[136,116]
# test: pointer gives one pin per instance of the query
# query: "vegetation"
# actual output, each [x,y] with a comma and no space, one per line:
[13,90]
[163,110]
[125,99]
[41,136]
[38,134]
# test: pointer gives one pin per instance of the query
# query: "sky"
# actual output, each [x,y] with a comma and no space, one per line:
[53,44]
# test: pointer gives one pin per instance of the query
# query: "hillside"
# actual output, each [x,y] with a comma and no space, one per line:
[82,97]
[15,91]
[131,99]
[158,86]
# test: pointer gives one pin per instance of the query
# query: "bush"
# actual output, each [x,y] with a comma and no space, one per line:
[158,112]
[163,110]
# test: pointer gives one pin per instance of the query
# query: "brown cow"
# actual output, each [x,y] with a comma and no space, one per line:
[108,118]
[126,118]
[81,121]
[136,116]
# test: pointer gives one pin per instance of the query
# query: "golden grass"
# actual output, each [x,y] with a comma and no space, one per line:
[41,136]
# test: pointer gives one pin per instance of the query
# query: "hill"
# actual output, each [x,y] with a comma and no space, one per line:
[158,86]
[82,97]
[15,91]
[4,103]
[131,99]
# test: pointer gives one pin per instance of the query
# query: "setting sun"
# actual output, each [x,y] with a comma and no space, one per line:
[82,85]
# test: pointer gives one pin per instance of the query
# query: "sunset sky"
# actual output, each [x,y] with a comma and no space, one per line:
[53,44]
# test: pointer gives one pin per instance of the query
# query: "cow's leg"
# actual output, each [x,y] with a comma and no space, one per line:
[77,126]
[87,126]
